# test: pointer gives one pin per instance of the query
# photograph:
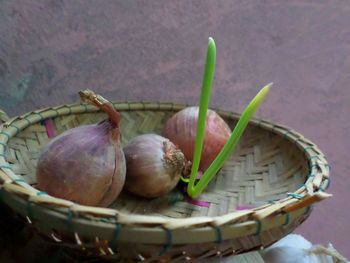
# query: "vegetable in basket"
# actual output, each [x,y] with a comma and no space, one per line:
[181,130]
[85,164]
[154,165]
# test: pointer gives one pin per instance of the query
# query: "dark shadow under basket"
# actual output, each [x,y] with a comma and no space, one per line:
[263,192]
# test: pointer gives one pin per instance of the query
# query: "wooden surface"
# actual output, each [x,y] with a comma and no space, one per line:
[154,50]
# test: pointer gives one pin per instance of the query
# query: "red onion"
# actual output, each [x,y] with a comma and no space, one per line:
[154,165]
[181,130]
[85,164]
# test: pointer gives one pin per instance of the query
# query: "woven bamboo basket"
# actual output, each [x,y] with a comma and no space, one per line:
[262,193]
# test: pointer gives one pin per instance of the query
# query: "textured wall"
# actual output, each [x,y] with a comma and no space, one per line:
[154,50]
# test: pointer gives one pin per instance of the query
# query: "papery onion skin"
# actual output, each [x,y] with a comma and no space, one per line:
[85,165]
[154,165]
[181,130]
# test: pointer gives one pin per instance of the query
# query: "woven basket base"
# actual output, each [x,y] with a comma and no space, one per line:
[264,167]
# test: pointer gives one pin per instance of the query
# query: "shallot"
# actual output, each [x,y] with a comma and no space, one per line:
[85,164]
[181,130]
[154,165]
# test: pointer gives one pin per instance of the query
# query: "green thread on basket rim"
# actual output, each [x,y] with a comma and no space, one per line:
[19,180]
[40,193]
[295,195]
[69,220]
[311,175]
[307,148]
[327,183]
[30,210]
[5,134]
[41,116]
[14,126]
[69,108]
[57,112]
[218,232]
[328,166]
[285,135]
[4,166]
[116,233]
[3,144]
[26,118]
[169,242]
[314,157]
[287,219]
[258,228]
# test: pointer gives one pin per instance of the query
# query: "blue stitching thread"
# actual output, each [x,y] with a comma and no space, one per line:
[328,183]
[287,219]
[285,134]
[169,241]
[6,134]
[302,185]
[29,122]
[30,210]
[57,113]
[6,167]
[69,220]
[13,126]
[307,148]
[19,180]
[218,234]
[118,228]
[298,139]
[105,220]
[294,195]
[41,116]
[258,228]
[311,175]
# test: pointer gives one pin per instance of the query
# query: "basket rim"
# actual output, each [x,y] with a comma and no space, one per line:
[15,190]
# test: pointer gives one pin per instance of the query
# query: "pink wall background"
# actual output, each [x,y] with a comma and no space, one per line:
[154,50]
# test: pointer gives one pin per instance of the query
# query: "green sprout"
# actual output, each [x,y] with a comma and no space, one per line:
[195,190]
